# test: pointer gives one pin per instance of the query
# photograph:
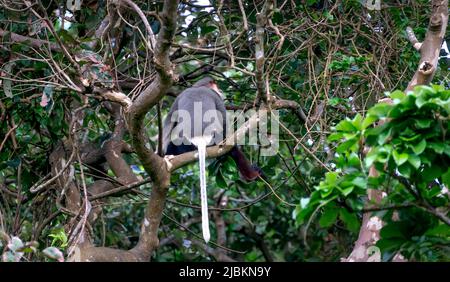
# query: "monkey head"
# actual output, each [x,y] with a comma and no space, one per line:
[210,83]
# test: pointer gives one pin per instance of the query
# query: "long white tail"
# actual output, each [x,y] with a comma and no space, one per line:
[201,146]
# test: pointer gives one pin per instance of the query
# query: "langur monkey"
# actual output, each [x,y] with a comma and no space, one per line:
[197,119]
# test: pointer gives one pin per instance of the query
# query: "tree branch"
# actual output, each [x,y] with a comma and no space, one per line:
[429,56]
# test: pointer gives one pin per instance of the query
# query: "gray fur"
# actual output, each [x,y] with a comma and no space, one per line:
[209,99]
[204,82]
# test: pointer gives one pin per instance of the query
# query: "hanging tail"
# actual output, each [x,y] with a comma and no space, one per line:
[248,172]
[201,142]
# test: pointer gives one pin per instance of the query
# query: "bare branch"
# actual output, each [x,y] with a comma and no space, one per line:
[37,43]
[148,28]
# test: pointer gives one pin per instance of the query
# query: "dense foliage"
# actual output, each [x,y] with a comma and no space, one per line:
[412,154]
[334,59]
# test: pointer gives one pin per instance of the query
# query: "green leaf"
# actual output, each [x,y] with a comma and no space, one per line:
[357,122]
[420,101]
[414,160]
[447,149]
[335,136]
[356,204]
[371,157]
[347,191]
[405,136]
[370,119]
[353,160]
[432,172]
[345,146]
[220,180]
[380,110]
[437,147]
[326,190]
[331,177]
[397,94]
[328,217]
[446,178]
[405,170]
[419,147]
[302,214]
[396,112]
[350,220]
[66,37]
[400,158]
[229,165]
[208,29]
[360,182]
[389,244]
[423,123]
[391,231]
[346,125]
[383,136]
[442,230]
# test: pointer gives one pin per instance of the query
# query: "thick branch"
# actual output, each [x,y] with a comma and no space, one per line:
[261,22]
[153,164]
[429,50]
[37,43]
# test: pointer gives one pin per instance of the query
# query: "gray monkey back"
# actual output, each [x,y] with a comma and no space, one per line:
[189,101]
[191,98]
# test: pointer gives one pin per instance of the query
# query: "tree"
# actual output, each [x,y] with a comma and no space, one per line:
[85,86]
